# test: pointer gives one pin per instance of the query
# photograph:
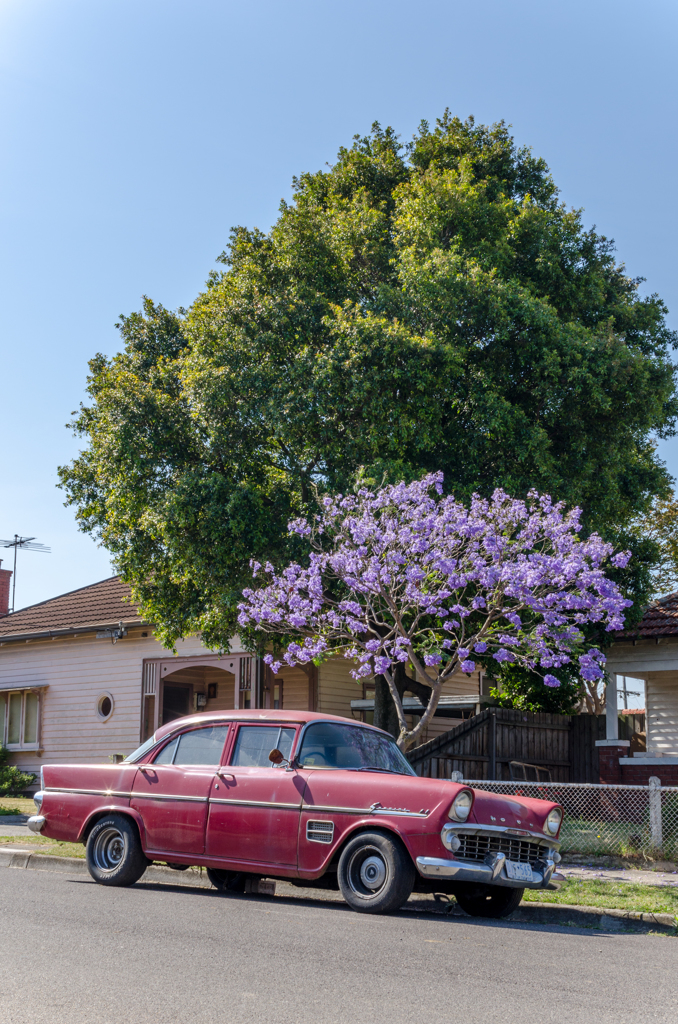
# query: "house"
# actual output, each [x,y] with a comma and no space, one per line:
[82,677]
[649,651]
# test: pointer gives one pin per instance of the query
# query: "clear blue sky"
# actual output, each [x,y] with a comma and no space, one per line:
[135,133]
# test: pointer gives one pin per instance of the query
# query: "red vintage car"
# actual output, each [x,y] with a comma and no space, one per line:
[314,799]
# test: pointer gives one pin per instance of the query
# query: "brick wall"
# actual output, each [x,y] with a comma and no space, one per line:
[5,579]
[612,773]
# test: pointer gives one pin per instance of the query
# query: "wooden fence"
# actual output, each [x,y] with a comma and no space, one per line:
[483,746]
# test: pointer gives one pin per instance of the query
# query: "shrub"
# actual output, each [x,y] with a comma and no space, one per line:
[12,780]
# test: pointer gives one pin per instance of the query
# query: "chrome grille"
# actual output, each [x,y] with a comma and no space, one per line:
[477,847]
[320,831]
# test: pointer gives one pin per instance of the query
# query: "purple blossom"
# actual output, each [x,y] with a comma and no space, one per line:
[424,577]
[550,680]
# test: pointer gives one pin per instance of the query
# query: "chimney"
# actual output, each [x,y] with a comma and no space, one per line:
[5,579]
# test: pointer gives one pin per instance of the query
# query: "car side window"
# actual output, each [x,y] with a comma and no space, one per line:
[166,755]
[198,746]
[255,743]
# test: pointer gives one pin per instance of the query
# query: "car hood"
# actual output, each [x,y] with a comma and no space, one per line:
[510,810]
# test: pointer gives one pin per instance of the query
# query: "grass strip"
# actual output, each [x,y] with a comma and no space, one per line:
[43,845]
[648,899]
[16,805]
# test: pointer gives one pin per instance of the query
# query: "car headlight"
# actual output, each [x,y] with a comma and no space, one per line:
[461,805]
[553,822]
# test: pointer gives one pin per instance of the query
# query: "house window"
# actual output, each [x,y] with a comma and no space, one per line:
[277,695]
[20,719]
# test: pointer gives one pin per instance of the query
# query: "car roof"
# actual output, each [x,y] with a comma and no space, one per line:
[264,716]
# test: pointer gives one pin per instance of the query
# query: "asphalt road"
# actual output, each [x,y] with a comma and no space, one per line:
[72,952]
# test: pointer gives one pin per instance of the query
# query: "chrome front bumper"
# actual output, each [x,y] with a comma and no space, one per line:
[490,871]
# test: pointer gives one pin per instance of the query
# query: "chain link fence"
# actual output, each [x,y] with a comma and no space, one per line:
[620,820]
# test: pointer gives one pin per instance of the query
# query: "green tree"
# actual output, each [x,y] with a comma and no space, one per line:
[413,308]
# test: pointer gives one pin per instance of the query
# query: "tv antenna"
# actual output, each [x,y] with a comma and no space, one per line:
[28,544]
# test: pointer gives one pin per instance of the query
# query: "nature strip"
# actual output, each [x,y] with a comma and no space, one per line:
[528,913]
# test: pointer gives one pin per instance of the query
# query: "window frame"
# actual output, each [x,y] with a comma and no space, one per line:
[176,737]
[279,726]
[5,695]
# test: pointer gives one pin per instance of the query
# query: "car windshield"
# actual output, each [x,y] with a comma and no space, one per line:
[326,745]
[140,751]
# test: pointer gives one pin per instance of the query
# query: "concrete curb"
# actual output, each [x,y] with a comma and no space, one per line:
[562,914]
[592,917]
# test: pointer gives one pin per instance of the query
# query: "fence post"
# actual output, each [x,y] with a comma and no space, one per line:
[655,797]
[457,777]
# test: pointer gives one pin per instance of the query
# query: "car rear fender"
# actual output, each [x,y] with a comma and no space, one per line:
[101,812]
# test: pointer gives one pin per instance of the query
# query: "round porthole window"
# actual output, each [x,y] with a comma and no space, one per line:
[105,705]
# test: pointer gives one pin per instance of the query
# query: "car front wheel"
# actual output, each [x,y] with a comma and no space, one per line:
[114,853]
[489,900]
[375,873]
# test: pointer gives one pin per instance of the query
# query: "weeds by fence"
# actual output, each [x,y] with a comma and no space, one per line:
[620,820]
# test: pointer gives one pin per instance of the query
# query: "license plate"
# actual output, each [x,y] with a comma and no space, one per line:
[520,872]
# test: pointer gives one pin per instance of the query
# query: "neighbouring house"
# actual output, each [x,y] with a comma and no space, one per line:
[650,652]
[82,677]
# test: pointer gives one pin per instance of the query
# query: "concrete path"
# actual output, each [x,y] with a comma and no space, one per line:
[619,875]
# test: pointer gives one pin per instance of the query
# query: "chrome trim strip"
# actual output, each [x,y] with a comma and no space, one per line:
[255,803]
[170,796]
[86,792]
[322,809]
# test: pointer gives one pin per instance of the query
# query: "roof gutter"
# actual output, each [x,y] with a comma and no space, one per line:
[53,634]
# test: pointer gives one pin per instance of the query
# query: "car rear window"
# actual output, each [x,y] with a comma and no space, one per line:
[255,743]
[198,746]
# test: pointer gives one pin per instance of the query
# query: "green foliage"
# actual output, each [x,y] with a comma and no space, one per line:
[13,781]
[519,688]
[413,308]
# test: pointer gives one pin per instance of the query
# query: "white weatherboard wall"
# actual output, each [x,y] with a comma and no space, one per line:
[76,671]
[657,664]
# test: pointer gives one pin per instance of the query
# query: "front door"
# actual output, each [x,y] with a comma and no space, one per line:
[172,793]
[254,814]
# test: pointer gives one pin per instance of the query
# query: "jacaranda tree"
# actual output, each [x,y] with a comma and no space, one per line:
[403,574]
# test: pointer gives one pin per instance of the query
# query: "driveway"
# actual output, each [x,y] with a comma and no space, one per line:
[72,952]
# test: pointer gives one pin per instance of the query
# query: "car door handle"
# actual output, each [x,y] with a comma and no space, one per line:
[147,767]
[225,775]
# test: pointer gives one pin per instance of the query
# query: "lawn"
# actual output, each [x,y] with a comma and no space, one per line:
[611,895]
[16,805]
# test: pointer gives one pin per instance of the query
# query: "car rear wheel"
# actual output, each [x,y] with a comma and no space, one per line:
[227,881]
[375,873]
[489,900]
[114,853]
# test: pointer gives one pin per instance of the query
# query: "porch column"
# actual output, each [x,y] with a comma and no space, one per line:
[611,711]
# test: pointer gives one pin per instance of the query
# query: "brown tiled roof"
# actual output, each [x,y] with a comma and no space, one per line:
[660,619]
[99,605]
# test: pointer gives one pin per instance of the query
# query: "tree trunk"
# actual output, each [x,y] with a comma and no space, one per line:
[385,714]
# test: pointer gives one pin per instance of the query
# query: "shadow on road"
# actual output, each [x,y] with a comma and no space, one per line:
[414,911]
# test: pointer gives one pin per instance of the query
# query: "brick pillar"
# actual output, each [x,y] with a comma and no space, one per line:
[5,580]
[609,752]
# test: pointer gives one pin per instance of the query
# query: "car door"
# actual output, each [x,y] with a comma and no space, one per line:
[254,813]
[172,793]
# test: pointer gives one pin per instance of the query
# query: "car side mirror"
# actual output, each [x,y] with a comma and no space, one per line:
[276,756]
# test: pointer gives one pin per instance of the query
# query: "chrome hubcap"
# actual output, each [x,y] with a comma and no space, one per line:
[373,872]
[108,849]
